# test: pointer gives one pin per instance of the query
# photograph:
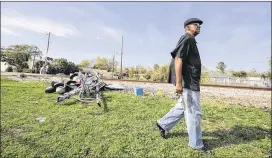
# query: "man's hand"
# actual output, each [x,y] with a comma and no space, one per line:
[179,89]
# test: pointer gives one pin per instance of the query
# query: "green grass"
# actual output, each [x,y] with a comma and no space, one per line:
[126,129]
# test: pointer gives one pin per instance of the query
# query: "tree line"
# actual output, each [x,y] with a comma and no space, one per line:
[221,67]
[22,56]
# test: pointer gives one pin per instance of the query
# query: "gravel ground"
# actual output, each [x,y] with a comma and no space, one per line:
[256,98]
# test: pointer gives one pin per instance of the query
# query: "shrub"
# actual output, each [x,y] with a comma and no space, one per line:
[147,77]
[204,77]
[25,70]
[239,74]
[19,70]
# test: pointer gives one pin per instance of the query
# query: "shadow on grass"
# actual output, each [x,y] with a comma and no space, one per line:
[105,99]
[103,104]
[69,103]
[236,135]
[73,101]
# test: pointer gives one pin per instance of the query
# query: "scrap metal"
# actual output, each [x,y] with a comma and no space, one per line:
[89,89]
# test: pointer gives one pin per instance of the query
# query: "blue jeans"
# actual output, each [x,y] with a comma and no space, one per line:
[188,104]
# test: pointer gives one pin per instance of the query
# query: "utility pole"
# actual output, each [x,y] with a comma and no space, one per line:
[48,43]
[121,59]
[45,63]
[113,60]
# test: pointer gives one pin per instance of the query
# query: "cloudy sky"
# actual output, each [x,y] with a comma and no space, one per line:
[237,33]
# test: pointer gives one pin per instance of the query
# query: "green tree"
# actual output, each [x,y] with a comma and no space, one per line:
[131,72]
[263,76]
[156,67]
[37,66]
[100,63]
[253,73]
[60,64]
[19,55]
[268,75]
[239,74]
[84,64]
[147,76]
[140,69]
[243,74]
[163,71]
[34,53]
[110,66]
[221,67]
[155,77]
[160,73]
[204,77]
[270,64]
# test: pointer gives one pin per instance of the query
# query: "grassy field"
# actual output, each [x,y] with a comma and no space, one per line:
[126,129]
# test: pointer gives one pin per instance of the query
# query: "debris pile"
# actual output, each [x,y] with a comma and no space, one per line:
[84,87]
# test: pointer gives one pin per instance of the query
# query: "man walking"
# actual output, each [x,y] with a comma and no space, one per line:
[184,73]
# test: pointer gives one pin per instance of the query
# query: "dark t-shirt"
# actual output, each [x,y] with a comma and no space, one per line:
[187,50]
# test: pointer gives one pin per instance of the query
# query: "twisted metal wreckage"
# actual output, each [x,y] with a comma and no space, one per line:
[88,86]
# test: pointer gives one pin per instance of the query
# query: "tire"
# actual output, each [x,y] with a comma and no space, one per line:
[56,85]
[71,83]
[60,90]
[73,75]
[50,90]
[52,83]
[68,88]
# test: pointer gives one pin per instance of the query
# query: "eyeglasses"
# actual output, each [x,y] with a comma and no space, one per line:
[196,24]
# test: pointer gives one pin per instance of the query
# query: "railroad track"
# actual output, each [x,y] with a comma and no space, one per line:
[138,81]
[204,85]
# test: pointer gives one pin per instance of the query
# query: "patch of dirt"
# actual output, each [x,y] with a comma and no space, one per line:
[16,132]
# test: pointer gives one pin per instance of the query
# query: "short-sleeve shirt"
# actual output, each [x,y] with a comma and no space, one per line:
[186,49]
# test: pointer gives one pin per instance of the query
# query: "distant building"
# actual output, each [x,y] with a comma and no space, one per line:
[6,65]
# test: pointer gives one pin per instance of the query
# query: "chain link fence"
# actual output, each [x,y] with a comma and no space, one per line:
[237,81]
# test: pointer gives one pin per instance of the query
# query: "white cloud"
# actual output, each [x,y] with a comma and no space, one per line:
[102,17]
[109,27]
[112,32]
[9,32]
[16,20]
[103,29]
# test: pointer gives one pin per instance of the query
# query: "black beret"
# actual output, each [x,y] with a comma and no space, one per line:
[192,20]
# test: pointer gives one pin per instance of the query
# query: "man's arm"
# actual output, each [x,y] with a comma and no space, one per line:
[179,57]
[178,71]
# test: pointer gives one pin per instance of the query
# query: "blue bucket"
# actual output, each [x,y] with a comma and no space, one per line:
[138,91]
